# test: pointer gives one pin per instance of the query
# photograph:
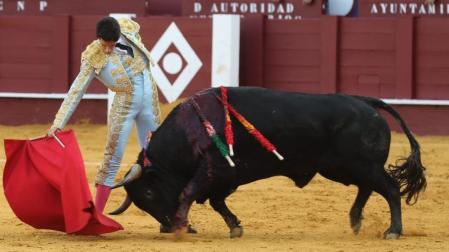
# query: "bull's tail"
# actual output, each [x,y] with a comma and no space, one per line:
[409,172]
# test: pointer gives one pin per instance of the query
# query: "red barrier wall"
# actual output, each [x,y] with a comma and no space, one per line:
[75,7]
[292,55]
[422,120]
[431,60]
[401,57]
[33,54]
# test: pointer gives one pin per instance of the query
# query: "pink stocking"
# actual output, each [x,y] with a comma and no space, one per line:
[101,197]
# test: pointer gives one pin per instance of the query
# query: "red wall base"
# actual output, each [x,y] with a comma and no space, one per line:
[17,111]
[422,119]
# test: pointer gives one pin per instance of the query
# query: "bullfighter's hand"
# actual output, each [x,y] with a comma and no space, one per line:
[51,131]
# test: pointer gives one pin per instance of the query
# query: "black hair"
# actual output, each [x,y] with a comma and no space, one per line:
[108,29]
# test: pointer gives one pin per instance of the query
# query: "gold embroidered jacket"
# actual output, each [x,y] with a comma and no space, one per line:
[109,70]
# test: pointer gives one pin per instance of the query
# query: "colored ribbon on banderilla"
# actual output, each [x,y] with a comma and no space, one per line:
[228,123]
[212,134]
[249,127]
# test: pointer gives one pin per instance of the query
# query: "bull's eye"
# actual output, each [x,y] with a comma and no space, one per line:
[149,194]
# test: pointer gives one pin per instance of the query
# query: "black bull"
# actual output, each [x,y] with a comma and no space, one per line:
[341,137]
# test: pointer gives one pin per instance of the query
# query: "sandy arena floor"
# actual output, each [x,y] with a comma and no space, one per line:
[276,215]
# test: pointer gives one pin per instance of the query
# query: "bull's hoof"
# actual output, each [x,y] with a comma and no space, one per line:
[356,227]
[191,230]
[180,233]
[355,218]
[391,236]
[236,232]
[166,229]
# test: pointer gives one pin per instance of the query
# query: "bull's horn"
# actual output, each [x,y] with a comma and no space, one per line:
[134,173]
[122,208]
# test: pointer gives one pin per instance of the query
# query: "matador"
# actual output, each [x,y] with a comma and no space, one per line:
[121,62]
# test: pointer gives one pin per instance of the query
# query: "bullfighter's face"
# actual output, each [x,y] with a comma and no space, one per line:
[107,46]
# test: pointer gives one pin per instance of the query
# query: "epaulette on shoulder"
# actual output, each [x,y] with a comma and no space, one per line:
[95,55]
[128,26]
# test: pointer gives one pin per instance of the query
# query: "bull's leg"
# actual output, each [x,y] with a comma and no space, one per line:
[190,193]
[355,215]
[340,174]
[185,199]
[386,186]
[389,189]
[168,229]
[231,220]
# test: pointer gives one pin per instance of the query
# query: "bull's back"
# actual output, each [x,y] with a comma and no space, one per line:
[311,131]
[307,129]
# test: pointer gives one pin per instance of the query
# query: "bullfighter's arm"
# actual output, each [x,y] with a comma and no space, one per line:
[73,97]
